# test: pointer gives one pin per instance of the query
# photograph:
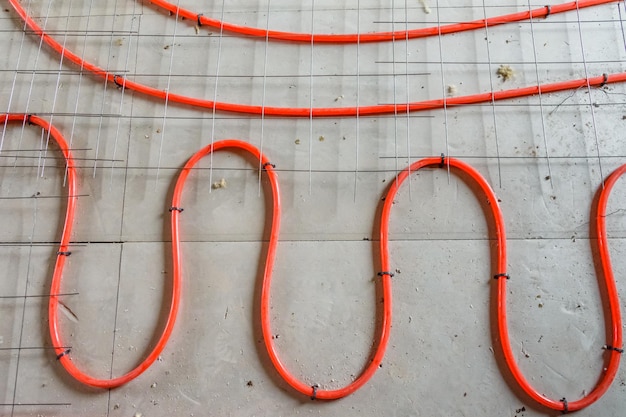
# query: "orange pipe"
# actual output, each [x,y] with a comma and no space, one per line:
[615,343]
[348,38]
[312,391]
[488,97]
[63,354]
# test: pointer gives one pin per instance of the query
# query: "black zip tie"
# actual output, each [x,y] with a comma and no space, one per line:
[65,352]
[199,21]
[178,209]
[67,253]
[548,11]
[605,79]
[28,120]
[391,274]
[443,160]
[565,406]
[269,163]
[314,395]
[609,347]
[116,82]
[504,274]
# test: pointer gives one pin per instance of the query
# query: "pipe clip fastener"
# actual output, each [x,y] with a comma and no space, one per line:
[610,347]
[65,352]
[116,82]
[548,11]
[605,79]
[502,275]
[314,394]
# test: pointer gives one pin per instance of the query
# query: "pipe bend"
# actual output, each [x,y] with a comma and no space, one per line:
[614,346]
[314,391]
[62,352]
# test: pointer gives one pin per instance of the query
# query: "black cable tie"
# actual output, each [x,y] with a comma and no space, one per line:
[67,253]
[28,119]
[65,352]
[504,274]
[565,405]
[314,395]
[616,349]
[605,79]
[269,163]
[116,82]
[178,209]
[199,21]
[391,274]
[443,160]
[548,11]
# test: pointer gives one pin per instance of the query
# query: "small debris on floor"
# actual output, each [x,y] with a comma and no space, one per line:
[426,7]
[297,141]
[505,72]
[452,90]
[219,184]
[321,138]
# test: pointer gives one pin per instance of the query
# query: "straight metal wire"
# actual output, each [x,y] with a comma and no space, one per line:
[493,107]
[590,96]
[105,88]
[311,99]
[264,94]
[358,98]
[444,92]
[167,89]
[216,85]
[541,112]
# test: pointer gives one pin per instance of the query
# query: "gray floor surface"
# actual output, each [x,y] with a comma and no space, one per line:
[545,157]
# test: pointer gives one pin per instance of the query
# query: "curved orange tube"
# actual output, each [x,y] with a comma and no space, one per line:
[313,391]
[488,97]
[376,36]
[70,210]
[64,251]
[614,347]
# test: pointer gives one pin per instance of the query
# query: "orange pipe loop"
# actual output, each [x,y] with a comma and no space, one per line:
[62,353]
[314,392]
[614,347]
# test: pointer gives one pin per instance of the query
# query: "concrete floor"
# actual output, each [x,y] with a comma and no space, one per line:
[545,157]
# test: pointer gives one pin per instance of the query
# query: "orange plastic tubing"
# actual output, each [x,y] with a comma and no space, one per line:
[614,347]
[544,11]
[313,391]
[64,247]
[488,97]
[62,352]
